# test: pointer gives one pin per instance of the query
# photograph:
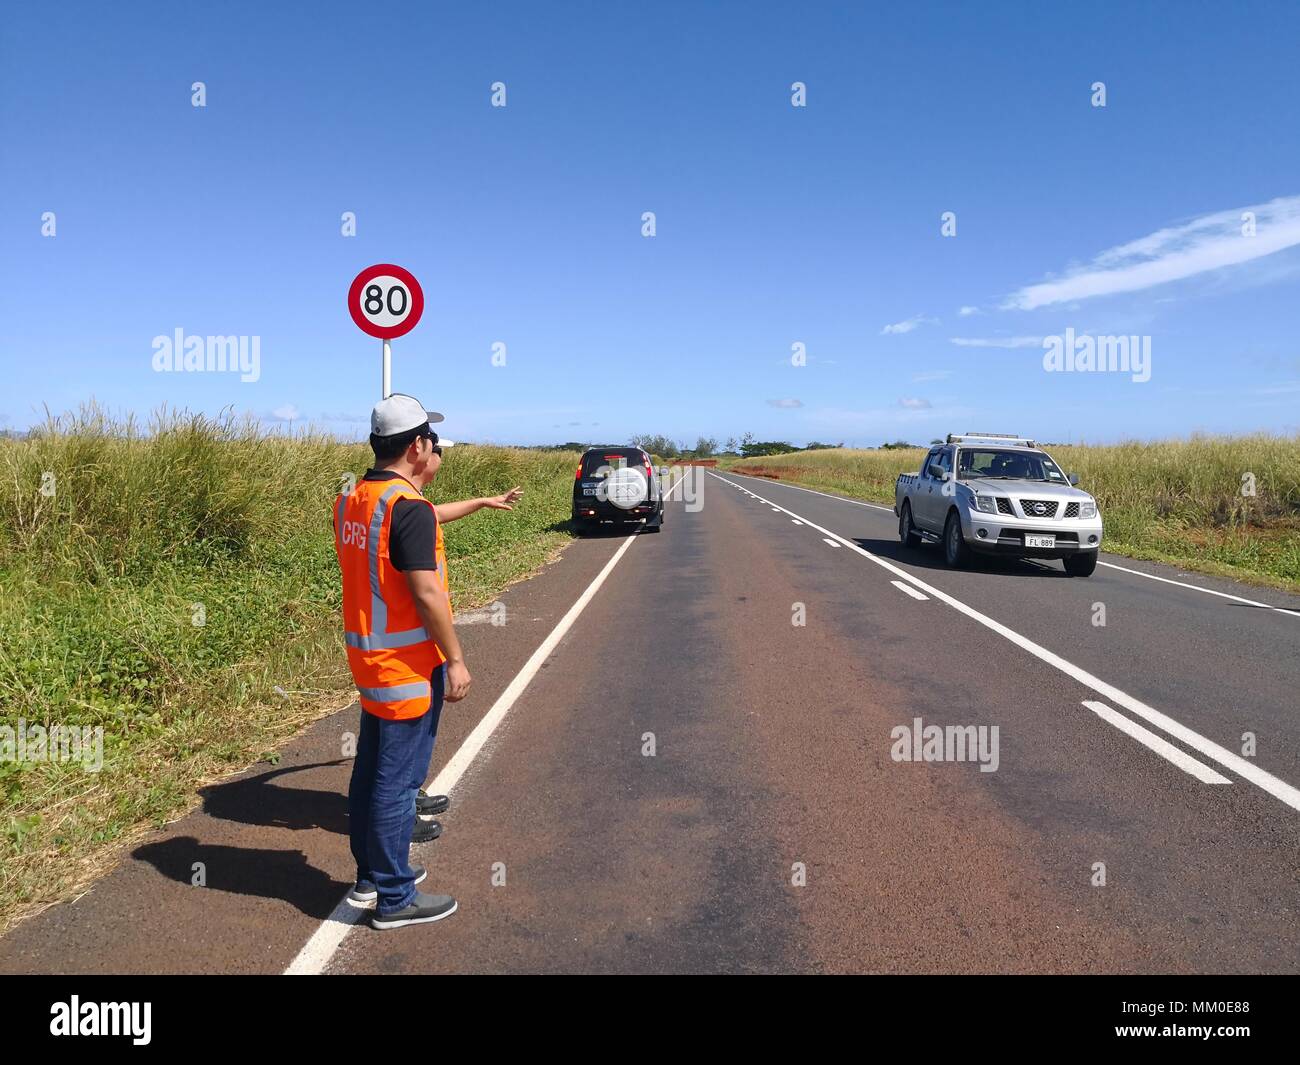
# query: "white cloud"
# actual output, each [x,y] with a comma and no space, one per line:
[966,312]
[997,342]
[915,404]
[785,404]
[908,325]
[286,413]
[1171,254]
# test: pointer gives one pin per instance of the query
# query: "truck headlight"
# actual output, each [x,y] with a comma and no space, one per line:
[1088,509]
[986,504]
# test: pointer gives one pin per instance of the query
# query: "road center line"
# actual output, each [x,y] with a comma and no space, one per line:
[1159,744]
[1278,788]
[909,590]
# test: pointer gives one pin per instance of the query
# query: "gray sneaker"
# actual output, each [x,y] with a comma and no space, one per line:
[365,891]
[423,909]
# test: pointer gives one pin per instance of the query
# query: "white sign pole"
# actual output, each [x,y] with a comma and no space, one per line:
[388,371]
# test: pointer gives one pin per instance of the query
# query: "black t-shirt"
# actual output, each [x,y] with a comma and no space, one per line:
[413,533]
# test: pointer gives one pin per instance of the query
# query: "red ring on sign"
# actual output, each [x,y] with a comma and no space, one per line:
[386,332]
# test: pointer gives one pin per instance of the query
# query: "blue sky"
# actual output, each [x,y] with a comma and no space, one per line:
[776,225]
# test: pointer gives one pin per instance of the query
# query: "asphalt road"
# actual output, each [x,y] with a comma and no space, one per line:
[691,781]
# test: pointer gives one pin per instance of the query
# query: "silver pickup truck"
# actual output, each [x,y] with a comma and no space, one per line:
[998,494]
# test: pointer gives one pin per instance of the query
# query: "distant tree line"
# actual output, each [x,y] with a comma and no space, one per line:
[708,446]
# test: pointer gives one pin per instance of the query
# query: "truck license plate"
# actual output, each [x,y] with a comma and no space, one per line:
[1040,541]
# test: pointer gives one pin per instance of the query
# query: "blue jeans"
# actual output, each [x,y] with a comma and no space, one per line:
[392,761]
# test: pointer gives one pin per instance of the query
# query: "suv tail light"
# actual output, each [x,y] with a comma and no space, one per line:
[578,476]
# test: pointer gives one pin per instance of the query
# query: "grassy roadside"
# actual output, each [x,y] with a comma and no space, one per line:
[1176,501]
[179,590]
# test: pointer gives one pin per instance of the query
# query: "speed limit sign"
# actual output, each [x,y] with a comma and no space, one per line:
[385,301]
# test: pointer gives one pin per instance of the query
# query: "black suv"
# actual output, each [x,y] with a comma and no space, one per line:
[616,484]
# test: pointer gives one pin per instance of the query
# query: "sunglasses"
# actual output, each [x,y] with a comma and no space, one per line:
[432,437]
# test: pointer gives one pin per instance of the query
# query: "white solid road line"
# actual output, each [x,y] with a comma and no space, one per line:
[908,589]
[1108,565]
[1198,588]
[327,939]
[1278,788]
[1161,746]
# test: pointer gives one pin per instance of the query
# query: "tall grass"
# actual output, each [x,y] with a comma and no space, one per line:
[176,585]
[1182,501]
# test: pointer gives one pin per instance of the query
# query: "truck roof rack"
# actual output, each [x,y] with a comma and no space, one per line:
[966,438]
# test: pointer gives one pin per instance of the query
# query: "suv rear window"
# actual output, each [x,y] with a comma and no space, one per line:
[612,457]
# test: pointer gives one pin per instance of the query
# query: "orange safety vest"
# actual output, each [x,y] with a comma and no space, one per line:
[391,654]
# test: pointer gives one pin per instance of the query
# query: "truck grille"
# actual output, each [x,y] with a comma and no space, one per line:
[1038,508]
[1071,510]
[1004,506]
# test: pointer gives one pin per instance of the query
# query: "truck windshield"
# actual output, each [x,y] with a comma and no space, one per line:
[1007,465]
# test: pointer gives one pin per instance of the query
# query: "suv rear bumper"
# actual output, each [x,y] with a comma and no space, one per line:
[589,509]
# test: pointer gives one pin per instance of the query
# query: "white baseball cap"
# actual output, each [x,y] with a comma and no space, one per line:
[400,413]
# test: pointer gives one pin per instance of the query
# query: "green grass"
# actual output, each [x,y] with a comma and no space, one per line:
[137,537]
[1178,501]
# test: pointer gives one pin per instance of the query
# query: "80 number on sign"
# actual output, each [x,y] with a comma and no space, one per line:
[385,301]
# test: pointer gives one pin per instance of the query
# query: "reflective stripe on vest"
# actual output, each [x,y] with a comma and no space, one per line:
[386,641]
[398,692]
[379,639]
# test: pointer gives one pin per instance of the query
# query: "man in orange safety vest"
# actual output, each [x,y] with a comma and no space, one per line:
[402,649]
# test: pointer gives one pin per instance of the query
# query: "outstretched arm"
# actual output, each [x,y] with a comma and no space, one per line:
[451,511]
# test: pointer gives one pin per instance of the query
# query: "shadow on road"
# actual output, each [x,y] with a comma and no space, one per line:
[255,801]
[609,531]
[930,556]
[271,874]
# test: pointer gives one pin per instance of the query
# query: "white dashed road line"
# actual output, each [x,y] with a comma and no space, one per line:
[1162,747]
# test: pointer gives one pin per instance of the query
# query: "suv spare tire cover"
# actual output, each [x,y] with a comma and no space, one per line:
[625,487]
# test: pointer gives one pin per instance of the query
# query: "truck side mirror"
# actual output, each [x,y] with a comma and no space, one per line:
[936,471]
[1073,478]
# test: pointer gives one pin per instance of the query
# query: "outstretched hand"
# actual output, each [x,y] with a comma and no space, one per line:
[506,501]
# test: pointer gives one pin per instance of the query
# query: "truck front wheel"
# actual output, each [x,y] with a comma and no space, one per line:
[955,551]
[1080,565]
